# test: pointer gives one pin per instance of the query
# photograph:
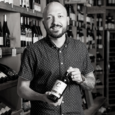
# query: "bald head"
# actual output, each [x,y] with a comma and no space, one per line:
[54,6]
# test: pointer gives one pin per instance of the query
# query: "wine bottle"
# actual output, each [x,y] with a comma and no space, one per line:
[1,37]
[6,32]
[98,56]
[59,88]
[23,33]
[99,2]
[109,2]
[34,31]
[24,3]
[6,1]
[10,1]
[27,3]
[69,32]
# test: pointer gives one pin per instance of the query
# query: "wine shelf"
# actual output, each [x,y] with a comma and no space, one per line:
[8,51]
[98,102]
[8,84]
[95,10]
[18,9]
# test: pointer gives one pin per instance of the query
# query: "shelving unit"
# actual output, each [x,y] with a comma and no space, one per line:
[8,51]
[110,79]
[17,9]
[8,90]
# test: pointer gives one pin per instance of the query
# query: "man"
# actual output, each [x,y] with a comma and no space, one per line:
[48,60]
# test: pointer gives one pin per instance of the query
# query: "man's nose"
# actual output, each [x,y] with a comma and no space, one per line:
[55,20]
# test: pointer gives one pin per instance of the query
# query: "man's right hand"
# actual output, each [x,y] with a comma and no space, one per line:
[46,100]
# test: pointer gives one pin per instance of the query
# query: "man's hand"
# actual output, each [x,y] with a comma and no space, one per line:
[75,74]
[46,100]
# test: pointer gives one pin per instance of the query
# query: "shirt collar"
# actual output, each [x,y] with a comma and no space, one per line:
[51,44]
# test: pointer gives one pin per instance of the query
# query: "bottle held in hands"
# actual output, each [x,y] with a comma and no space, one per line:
[59,88]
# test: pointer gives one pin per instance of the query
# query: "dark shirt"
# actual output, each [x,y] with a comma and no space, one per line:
[43,63]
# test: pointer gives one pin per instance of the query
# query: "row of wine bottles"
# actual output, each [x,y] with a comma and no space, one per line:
[5,78]
[4,33]
[30,32]
[110,22]
[31,4]
[4,109]
[98,57]
[96,2]
[110,2]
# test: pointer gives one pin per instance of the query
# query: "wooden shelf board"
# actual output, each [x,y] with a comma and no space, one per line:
[95,10]
[75,1]
[110,7]
[16,112]
[8,84]
[18,9]
[99,87]
[98,102]
[8,51]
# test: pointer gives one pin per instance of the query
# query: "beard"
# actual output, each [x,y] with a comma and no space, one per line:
[56,35]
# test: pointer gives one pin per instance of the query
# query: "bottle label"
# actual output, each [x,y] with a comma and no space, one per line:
[58,88]
[13,52]
[37,7]
[73,16]
[1,40]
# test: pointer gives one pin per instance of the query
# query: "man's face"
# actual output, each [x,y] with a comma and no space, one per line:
[55,21]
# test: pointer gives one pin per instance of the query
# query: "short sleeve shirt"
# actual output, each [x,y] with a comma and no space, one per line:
[43,63]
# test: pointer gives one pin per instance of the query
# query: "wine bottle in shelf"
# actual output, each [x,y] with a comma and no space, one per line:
[71,14]
[69,32]
[110,2]
[6,1]
[3,78]
[24,3]
[98,82]
[110,22]
[98,69]
[99,2]
[1,36]
[99,40]
[80,17]
[99,22]
[23,33]
[92,57]
[99,56]
[6,32]
[5,110]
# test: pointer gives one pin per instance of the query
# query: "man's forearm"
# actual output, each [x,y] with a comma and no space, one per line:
[29,94]
[88,83]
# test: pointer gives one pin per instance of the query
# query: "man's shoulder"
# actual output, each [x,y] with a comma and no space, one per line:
[36,46]
[78,43]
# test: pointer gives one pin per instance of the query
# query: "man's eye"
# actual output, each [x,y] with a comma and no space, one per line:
[60,16]
[48,18]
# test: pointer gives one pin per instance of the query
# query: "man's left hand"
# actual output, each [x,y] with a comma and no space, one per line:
[75,74]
